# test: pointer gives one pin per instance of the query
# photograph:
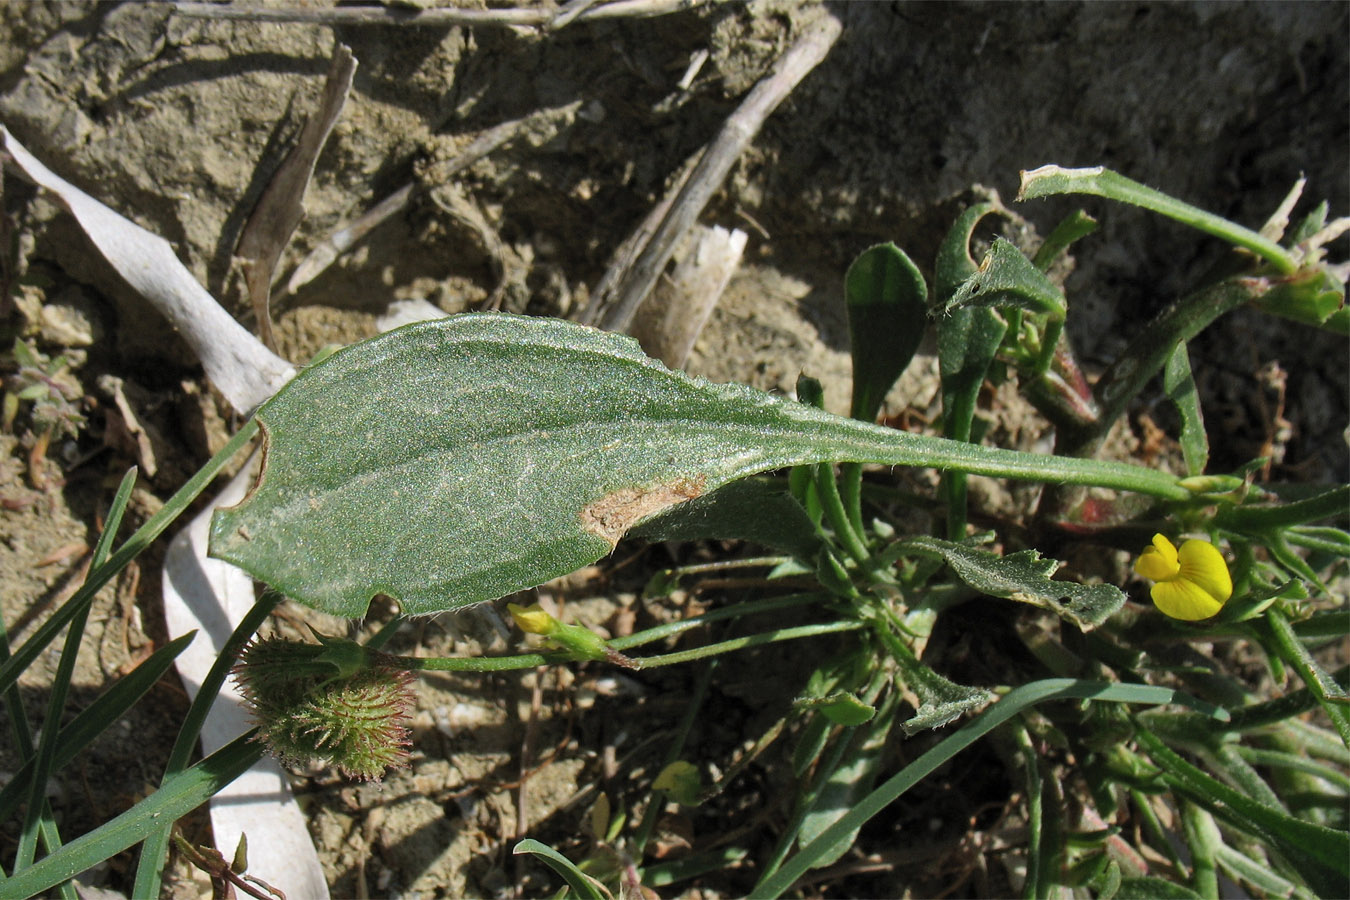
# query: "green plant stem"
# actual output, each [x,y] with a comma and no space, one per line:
[1242,775]
[1035,886]
[1334,503]
[1202,835]
[650,635]
[478,663]
[1329,695]
[723,565]
[741,643]
[1161,843]
[134,545]
[1280,759]
[1051,180]
[1308,540]
[1149,351]
[1316,742]
[1014,702]
[1259,715]
[736,611]
[1054,328]
[157,841]
[1267,882]
[828,490]
[850,478]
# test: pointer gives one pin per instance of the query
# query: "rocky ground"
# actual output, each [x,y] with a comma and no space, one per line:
[178,122]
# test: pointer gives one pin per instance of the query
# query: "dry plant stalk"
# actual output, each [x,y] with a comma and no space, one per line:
[442,17]
[281,206]
[711,170]
[349,234]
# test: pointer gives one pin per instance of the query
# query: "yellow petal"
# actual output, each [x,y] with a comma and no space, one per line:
[1185,600]
[1158,562]
[1202,564]
[1164,546]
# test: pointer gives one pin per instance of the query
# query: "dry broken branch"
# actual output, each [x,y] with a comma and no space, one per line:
[351,233]
[669,323]
[712,168]
[539,17]
[281,206]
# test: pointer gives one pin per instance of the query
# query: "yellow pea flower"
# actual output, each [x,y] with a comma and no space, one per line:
[1189,584]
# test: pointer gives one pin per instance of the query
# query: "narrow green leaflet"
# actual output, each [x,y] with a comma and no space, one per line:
[1050,180]
[455,461]
[1180,387]
[843,708]
[887,313]
[582,885]
[941,700]
[1072,227]
[1024,576]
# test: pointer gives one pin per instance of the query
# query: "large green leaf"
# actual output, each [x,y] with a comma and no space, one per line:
[458,460]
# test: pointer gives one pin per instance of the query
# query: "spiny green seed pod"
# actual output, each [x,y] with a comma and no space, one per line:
[336,701]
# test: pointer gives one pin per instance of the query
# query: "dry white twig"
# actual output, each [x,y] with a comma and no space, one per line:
[202,593]
[623,258]
[736,134]
[212,596]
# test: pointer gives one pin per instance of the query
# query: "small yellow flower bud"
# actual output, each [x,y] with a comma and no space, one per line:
[533,619]
[1189,584]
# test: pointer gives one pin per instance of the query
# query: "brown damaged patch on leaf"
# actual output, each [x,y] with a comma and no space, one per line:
[612,515]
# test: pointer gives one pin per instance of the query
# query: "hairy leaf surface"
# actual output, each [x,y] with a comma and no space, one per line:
[455,461]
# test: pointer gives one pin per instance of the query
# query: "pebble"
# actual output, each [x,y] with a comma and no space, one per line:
[71,319]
